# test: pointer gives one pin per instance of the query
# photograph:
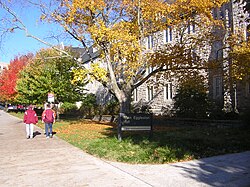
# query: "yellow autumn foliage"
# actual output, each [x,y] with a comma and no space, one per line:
[119,28]
[84,129]
[95,72]
[241,60]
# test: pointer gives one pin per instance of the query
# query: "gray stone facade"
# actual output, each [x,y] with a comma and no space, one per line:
[157,93]
[234,95]
[224,92]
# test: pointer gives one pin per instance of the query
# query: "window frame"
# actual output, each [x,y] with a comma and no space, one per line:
[168,91]
[149,93]
[168,34]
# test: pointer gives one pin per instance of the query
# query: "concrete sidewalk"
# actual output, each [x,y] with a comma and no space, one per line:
[54,162]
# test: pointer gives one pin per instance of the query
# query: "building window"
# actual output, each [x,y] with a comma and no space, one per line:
[149,93]
[194,55]
[189,28]
[168,35]
[247,88]
[135,95]
[217,84]
[216,13]
[222,14]
[150,42]
[150,69]
[192,27]
[168,92]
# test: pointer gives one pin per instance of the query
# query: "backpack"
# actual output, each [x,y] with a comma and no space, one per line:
[48,116]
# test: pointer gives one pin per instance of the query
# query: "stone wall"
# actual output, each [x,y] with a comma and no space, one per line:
[233,18]
[178,122]
[187,122]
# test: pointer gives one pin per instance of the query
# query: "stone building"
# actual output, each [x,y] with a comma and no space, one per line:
[93,87]
[229,95]
[222,88]
[157,93]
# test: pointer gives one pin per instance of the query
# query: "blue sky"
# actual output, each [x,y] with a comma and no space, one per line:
[15,44]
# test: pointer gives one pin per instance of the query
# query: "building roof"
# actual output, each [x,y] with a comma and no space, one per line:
[85,56]
[3,65]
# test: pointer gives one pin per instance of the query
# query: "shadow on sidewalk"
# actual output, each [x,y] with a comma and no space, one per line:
[36,133]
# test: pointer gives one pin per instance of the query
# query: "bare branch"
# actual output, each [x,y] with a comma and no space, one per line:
[21,26]
[161,69]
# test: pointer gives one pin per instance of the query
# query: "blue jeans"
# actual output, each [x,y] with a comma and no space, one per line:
[48,126]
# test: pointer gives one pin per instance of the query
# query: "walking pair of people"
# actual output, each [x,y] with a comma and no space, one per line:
[30,119]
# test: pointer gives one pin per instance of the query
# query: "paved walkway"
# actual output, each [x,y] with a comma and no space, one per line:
[53,162]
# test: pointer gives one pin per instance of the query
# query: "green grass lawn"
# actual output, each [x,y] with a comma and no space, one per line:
[167,144]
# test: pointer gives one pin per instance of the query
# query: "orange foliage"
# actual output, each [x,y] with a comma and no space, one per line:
[85,129]
[9,77]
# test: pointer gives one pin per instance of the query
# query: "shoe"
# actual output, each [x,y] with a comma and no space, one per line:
[50,135]
[47,137]
[31,137]
[27,137]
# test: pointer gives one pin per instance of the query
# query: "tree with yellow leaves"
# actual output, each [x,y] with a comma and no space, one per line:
[241,61]
[118,28]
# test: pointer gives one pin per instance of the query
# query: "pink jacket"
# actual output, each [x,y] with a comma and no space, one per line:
[51,116]
[30,116]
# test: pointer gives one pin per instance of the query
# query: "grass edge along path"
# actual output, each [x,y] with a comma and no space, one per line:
[167,145]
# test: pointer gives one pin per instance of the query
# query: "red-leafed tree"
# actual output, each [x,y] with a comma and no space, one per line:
[8,78]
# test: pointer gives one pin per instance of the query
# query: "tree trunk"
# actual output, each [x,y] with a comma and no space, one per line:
[124,102]
[125,106]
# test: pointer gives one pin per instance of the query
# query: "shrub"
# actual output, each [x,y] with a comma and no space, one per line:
[245,116]
[68,107]
[140,107]
[112,107]
[89,107]
[191,100]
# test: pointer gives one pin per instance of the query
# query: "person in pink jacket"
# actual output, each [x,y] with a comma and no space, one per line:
[48,117]
[30,119]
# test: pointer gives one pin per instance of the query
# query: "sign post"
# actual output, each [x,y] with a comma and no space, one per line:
[51,98]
